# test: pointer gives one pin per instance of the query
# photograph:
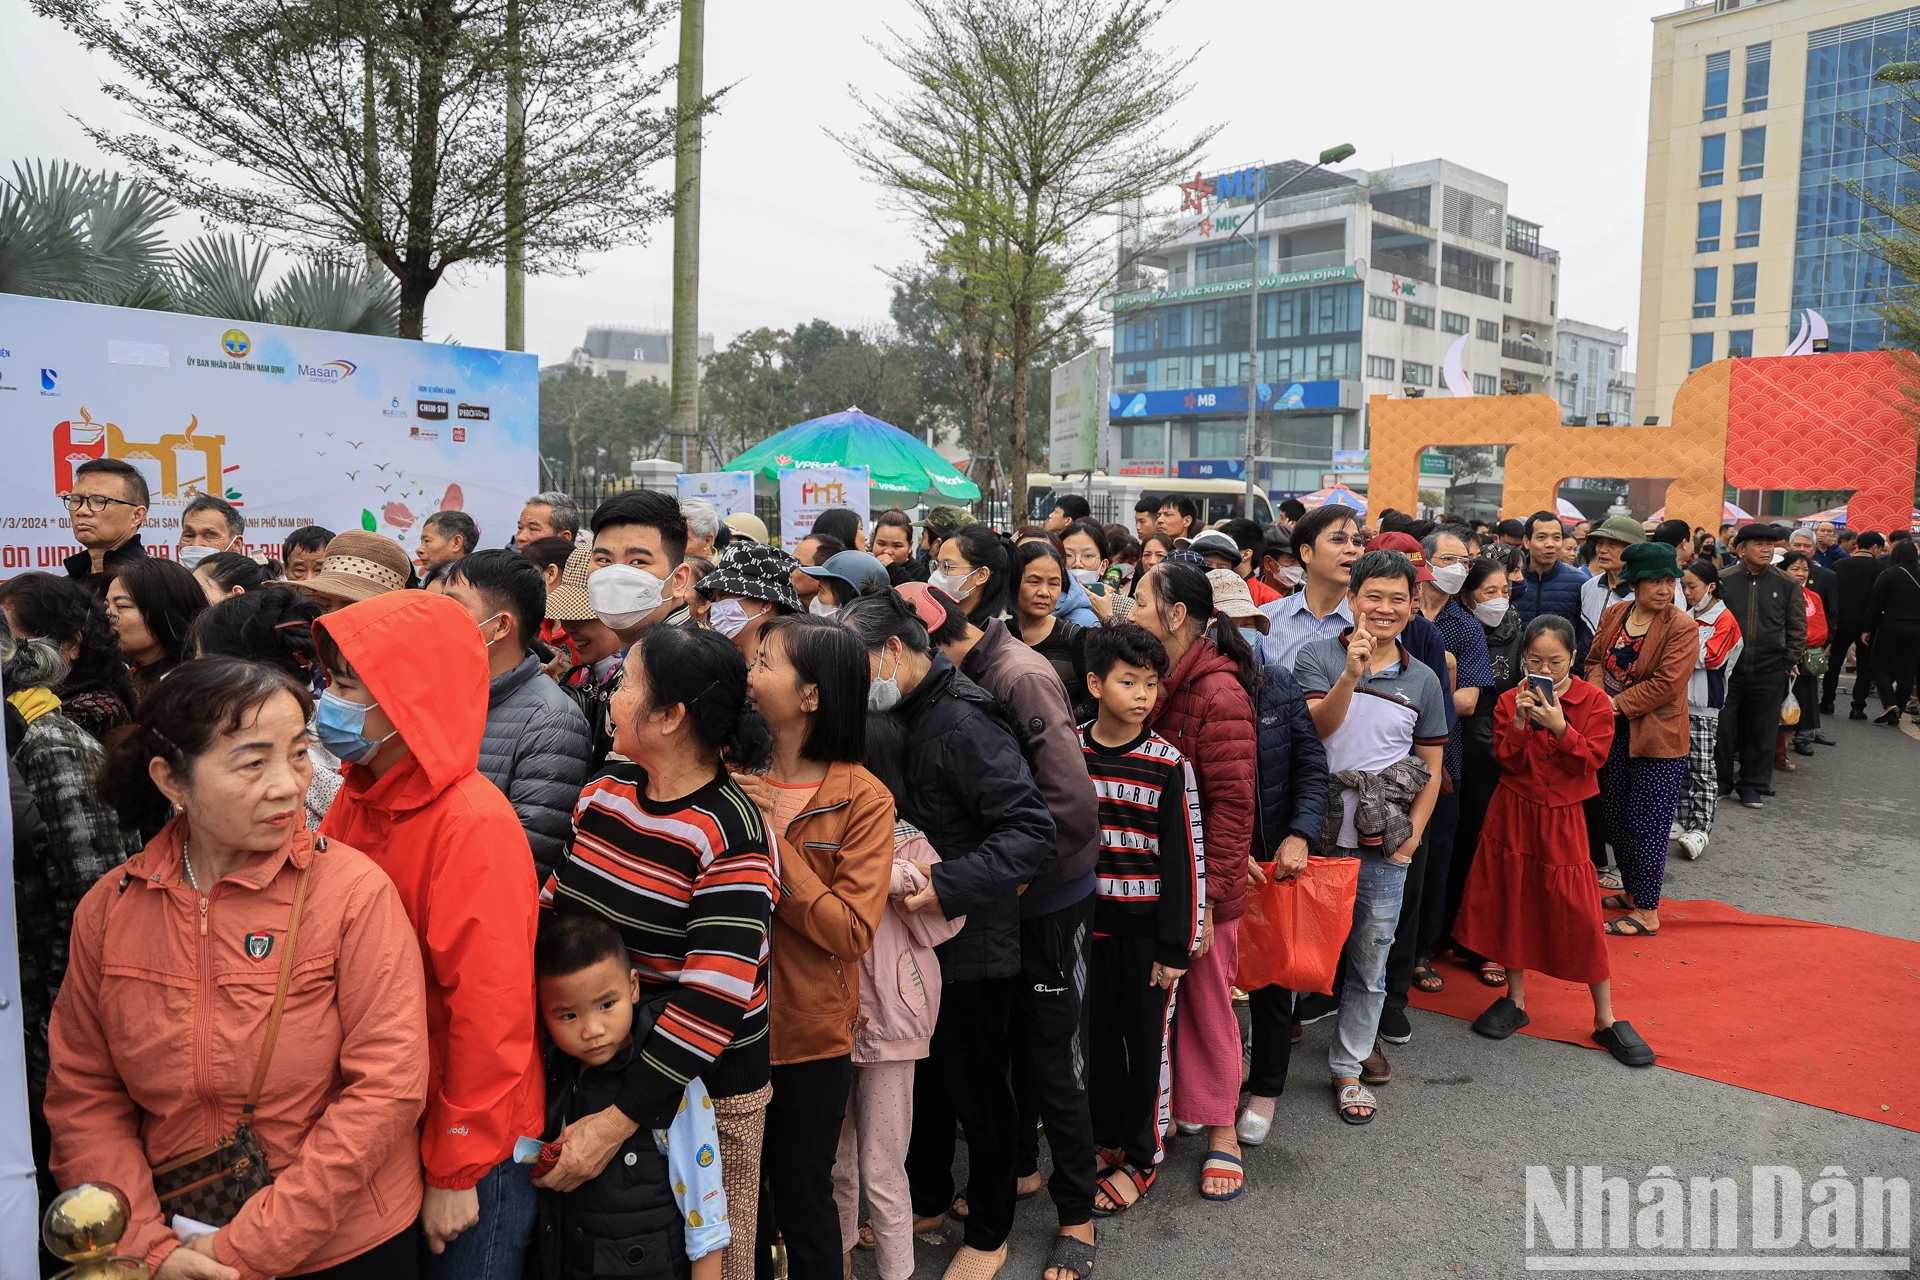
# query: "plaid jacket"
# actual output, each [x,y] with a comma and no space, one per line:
[61,763]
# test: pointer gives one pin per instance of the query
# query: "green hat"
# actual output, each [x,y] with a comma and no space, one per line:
[1648,560]
[944,522]
[1619,529]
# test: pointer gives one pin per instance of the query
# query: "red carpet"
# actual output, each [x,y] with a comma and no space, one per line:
[1809,1012]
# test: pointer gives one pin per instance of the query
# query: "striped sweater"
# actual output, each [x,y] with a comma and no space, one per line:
[690,885]
[1151,874]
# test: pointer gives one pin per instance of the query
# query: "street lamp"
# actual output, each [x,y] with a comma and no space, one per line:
[1332,155]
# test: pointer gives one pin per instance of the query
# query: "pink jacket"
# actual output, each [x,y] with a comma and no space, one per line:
[897,1014]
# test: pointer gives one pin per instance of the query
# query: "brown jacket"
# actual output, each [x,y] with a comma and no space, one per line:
[836,861]
[1655,699]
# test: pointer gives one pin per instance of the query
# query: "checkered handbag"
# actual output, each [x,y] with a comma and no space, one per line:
[210,1185]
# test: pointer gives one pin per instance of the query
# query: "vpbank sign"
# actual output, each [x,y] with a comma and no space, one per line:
[1583,1219]
[331,371]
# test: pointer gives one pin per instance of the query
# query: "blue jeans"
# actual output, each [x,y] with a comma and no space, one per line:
[1363,961]
[495,1247]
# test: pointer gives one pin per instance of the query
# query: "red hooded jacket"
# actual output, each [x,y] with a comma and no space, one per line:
[455,850]
[1206,714]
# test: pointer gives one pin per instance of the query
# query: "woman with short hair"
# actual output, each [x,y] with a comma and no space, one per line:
[151,603]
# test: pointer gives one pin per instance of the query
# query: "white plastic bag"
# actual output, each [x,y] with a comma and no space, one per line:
[1790,710]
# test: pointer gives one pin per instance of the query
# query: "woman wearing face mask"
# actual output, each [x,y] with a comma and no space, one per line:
[151,603]
[1720,645]
[1040,573]
[973,567]
[968,789]
[752,586]
[1086,548]
[844,576]
[228,573]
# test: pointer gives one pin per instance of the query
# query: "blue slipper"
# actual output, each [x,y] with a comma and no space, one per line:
[1219,1164]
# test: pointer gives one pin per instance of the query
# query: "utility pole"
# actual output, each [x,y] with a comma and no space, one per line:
[684,410]
[516,194]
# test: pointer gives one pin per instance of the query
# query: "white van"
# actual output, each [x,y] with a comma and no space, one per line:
[1114,496]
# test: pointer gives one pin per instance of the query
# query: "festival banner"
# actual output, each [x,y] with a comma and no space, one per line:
[728,491]
[805,492]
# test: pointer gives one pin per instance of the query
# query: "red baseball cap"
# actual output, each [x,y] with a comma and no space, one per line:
[1407,545]
[923,599]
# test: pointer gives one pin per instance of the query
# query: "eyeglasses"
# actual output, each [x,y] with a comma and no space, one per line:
[94,502]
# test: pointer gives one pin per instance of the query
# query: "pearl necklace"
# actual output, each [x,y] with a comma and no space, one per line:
[186,863]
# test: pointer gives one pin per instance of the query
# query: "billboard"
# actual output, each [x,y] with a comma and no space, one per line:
[728,491]
[292,426]
[1076,417]
[807,491]
[1321,394]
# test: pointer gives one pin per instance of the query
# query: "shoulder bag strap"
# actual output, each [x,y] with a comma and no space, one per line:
[279,997]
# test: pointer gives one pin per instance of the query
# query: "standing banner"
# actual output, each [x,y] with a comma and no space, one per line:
[805,492]
[728,491]
[1078,411]
[292,426]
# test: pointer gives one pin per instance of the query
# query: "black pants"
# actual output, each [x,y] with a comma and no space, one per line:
[1806,688]
[1271,1012]
[1847,638]
[1132,1023]
[1406,935]
[965,1076]
[1896,650]
[1596,817]
[396,1259]
[1050,1033]
[1441,830]
[803,1133]
[1749,724]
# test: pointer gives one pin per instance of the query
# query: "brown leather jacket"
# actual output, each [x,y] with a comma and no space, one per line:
[1655,699]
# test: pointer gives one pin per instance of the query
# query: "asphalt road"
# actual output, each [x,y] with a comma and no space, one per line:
[1436,1186]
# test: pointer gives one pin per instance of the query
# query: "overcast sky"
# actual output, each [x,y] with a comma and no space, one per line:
[1550,98]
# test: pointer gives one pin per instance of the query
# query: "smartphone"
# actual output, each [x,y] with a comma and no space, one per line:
[1542,687]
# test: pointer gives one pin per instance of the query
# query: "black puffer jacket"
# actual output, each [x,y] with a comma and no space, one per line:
[969,790]
[535,750]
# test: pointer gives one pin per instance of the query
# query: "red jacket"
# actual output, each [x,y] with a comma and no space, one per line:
[1206,714]
[455,850]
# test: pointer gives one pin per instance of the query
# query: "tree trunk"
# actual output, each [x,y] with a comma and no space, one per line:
[370,157]
[1017,413]
[684,411]
[516,194]
[976,353]
[418,275]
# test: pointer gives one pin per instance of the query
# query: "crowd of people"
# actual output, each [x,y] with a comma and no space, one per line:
[643,899]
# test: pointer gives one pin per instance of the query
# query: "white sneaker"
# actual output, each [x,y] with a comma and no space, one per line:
[1692,844]
[1189,1130]
[1251,1129]
[1674,833]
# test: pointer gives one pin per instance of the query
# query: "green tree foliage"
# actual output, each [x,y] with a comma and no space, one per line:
[592,428]
[766,380]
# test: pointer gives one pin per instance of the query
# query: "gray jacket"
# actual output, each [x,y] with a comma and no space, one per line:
[1384,817]
[535,750]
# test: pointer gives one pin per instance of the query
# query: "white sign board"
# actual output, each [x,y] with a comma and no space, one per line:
[1078,412]
[728,491]
[805,492]
[292,426]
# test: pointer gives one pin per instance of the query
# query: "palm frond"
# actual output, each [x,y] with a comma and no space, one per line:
[325,295]
[219,275]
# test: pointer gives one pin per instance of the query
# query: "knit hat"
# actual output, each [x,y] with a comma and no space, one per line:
[359,566]
[944,522]
[756,572]
[747,525]
[568,601]
[859,570]
[1623,529]
[1407,545]
[1644,561]
[1231,597]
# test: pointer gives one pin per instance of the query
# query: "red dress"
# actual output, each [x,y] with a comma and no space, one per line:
[1530,901]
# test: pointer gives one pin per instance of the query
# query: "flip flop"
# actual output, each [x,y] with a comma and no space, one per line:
[1493,975]
[1220,1165]
[1625,1044]
[1355,1095]
[1628,927]
[1427,978]
[1616,902]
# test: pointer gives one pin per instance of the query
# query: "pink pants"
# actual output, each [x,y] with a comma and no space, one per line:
[873,1153]
[1206,1057]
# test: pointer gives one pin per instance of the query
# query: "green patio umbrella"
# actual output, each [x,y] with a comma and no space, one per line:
[898,464]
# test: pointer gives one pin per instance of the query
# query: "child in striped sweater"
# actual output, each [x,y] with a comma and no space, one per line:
[1146,920]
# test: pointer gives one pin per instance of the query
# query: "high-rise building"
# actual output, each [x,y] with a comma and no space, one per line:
[1753,127]
[1366,280]
[1590,376]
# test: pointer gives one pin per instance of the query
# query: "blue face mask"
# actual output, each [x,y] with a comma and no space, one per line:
[342,727]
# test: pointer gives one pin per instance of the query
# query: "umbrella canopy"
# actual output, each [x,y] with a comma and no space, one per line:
[1567,511]
[896,462]
[1839,516]
[1338,494]
[1730,514]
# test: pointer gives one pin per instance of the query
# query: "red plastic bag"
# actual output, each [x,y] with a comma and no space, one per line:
[1293,930]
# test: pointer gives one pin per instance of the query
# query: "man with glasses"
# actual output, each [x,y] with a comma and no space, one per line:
[1326,542]
[108,505]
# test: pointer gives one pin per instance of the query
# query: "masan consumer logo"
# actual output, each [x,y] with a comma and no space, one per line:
[331,371]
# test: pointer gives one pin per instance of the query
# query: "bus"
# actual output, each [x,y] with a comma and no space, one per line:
[1113,496]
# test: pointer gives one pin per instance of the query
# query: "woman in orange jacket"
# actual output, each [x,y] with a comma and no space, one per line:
[404,713]
[166,1014]
[833,825]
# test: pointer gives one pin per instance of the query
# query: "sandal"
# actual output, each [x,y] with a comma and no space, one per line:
[865,1238]
[1427,978]
[1493,975]
[1109,1159]
[976,1264]
[1628,927]
[1616,902]
[1225,1168]
[1070,1253]
[1123,1175]
[1610,879]
[1348,1096]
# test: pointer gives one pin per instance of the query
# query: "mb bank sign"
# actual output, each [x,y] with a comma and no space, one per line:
[1323,394]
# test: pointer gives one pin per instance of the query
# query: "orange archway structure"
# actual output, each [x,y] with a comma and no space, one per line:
[1831,421]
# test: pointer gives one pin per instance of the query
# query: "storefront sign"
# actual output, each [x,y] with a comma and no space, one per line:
[1211,469]
[1226,288]
[1322,394]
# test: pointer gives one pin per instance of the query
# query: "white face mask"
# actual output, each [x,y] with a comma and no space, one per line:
[1124,570]
[622,594]
[1489,613]
[1450,578]
[1290,575]
[884,693]
[1085,577]
[819,608]
[190,557]
[954,585]
[728,617]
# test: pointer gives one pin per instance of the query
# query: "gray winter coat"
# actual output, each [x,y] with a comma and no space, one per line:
[535,750]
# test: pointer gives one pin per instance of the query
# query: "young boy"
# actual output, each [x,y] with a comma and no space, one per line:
[659,1202]
[1146,917]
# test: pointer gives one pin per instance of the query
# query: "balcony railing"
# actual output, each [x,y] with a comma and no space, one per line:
[1412,268]
[1298,262]
[1453,279]
[1512,350]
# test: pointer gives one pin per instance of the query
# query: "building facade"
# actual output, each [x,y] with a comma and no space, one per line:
[1590,375]
[631,355]
[1753,127]
[1366,281]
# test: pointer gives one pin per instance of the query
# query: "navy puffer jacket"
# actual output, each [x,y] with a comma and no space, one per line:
[1558,592]
[1293,765]
[535,750]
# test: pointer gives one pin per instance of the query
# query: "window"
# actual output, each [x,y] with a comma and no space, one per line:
[1740,344]
[1702,351]
[1416,374]
[1706,291]
[1134,373]
[1713,159]
[1746,283]
[1415,205]
[1485,384]
[1419,315]
[1759,69]
[1299,312]
[1718,69]
[1746,227]
[1383,308]
[1486,331]
[1707,231]
[1753,153]
[1453,322]
[1380,367]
